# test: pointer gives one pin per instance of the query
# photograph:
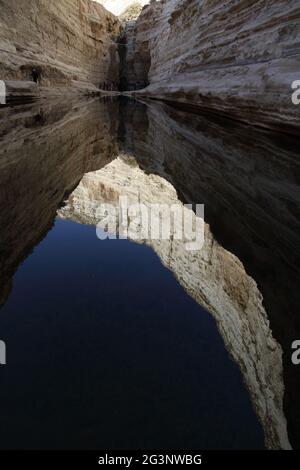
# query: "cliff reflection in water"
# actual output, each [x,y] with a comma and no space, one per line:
[44,153]
[248,180]
[70,158]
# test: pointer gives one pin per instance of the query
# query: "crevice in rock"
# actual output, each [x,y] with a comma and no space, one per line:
[134,59]
[122,51]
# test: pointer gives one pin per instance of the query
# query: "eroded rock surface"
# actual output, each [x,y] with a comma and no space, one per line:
[71,43]
[236,57]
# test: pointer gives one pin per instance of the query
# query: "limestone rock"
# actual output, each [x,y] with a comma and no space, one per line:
[72,44]
[237,57]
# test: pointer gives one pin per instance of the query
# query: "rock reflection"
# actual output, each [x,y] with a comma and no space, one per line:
[45,151]
[246,274]
[248,180]
[214,277]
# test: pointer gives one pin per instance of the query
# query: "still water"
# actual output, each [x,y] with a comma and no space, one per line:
[115,344]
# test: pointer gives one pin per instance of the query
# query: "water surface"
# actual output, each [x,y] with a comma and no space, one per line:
[105,348]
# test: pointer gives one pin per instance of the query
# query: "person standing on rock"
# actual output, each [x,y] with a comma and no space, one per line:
[35,76]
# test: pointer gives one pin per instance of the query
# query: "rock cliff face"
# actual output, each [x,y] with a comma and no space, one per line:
[71,43]
[237,57]
[212,276]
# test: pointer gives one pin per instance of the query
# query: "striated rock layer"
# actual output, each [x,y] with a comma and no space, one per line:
[71,43]
[214,277]
[237,57]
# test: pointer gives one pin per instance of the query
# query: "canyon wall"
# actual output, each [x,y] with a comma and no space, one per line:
[237,57]
[71,43]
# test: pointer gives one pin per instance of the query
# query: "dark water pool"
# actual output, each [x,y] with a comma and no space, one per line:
[106,350]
